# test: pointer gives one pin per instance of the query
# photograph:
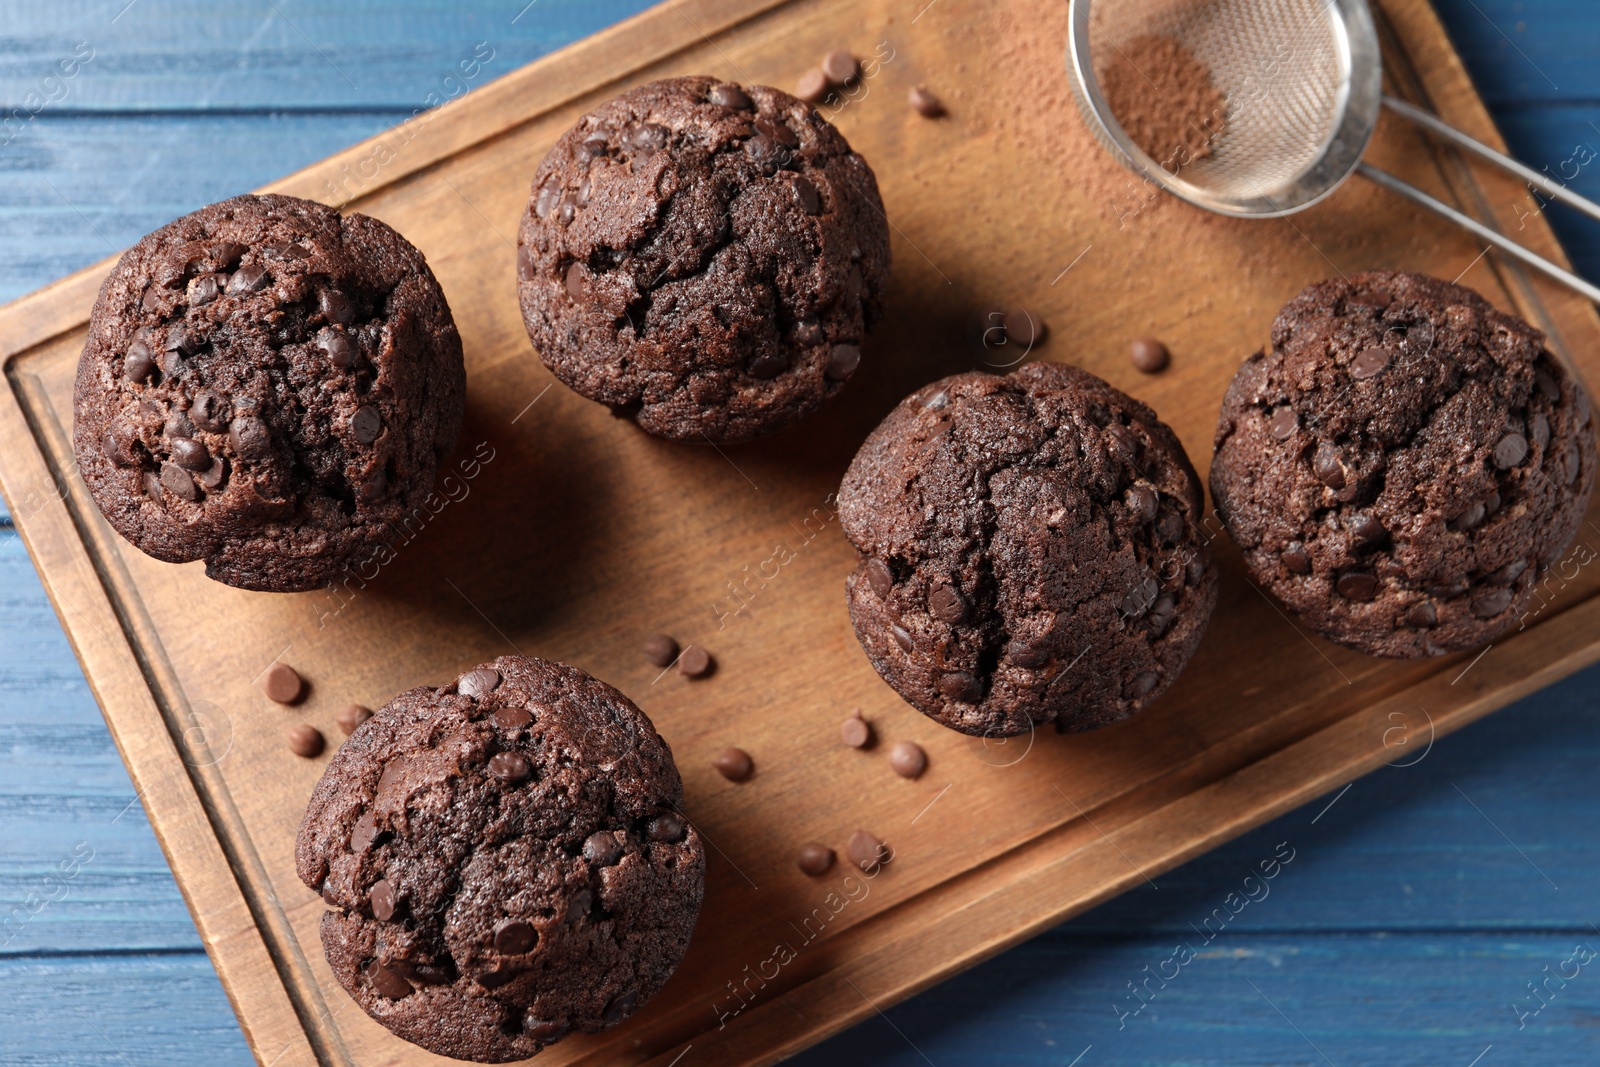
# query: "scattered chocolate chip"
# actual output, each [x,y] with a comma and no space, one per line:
[961,687]
[815,860]
[1028,654]
[512,718]
[924,103]
[695,662]
[620,1007]
[350,716]
[879,578]
[1142,503]
[249,437]
[907,759]
[578,907]
[1283,424]
[768,365]
[305,740]
[1509,573]
[865,850]
[336,307]
[1295,558]
[812,87]
[902,637]
[510,767]
[139,363]
[660,650]
[779,132]
[178,424]
[118,447]
[1149,355]
[577,282]
[381,899]
[228,254]
[203,290]
[644,138]
[282,684]
[545,1030]
[726,94]
[1357,585]
[1370,363]
[666,828]
[1367,529]
[1170,527]
[339,348]
[602,848]
[363,833]
[1140,685]
[182,340]
[1491,603]
[734,764]
[190,454]
[210,411]
[178,482]
[366,424]
[1328,466]
[213,476]
[806,193]
[152,486]
[840,66]
[251,278]
[1510,450]
[387,982]
[1470,518]
[842,362]
[1422,615]
[946,604]
[856,731]
[478,683]
[513,937]
[1539,429]
[495,977]
[765,153]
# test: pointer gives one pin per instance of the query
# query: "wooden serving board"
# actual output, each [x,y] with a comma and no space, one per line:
[565,533]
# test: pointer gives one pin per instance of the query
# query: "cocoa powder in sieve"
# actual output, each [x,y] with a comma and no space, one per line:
[1163,97]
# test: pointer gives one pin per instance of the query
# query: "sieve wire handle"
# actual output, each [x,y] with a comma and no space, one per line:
[1542,182]
[1467,222]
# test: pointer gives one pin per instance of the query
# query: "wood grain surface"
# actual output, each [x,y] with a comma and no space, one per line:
[1123,779]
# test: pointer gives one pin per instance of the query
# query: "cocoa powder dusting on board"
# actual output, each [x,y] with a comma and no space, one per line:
[1164,98]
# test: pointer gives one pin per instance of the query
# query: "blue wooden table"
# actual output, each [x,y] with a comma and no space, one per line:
[1442,913]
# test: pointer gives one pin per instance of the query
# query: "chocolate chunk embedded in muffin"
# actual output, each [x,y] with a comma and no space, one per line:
[267,386]
[503,867]
[1030,551]
[704,258]
[1403,464]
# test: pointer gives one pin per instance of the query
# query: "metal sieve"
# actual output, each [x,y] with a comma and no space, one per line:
[1303,84]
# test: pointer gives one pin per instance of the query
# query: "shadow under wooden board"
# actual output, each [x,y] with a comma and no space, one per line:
[565,533]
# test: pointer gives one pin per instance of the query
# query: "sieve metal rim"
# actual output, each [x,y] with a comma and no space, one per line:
[1361,96]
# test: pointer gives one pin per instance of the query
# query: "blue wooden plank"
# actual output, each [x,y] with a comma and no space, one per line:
[1523,52]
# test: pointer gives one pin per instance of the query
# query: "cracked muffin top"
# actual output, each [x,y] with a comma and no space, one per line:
[706,259]
[504,859]
[1030,551]
[267,386]
[1404,463]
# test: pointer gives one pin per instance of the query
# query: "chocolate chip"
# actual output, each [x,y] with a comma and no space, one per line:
[545,1030]
[856,731]
[228,254]
[139,363]
[210,411]
[1295,558]
[660,649]
[1028,654]
[807,332]
[907,759]
[180,339]
[249,438]
[203,290]
[178,424]
[1170,527]
[815,860]
[1140,598]
[1328,466]
[510,767]
[602,848]
[621,1007]
[924,103]
[1547,385]
[550,191]
[666,828]
[512,718]
[363,833]
[946,604]
[513,937]
[282,684]
[478,683]
[901,637]
[1357,585]
[118,448]
[386,982]
[726,94]
[1510,450]
[1149,355]
[810,200]
[339,348]
[297,250]
[1142,503]
[305,740]
[213,476]
[1422,615]
[840,66]
[495,977]
[1491,603]
[1509,573]
[961,687]
[152,486]
[336,307]
[351,716]
[1539,429]
[1370,363]
[190,454]
[644,138]
[865,850]
[695,662]
[366,424]
[1140,685]
[251,278]
[768,365]
[734,764]
[1470,518]
[1283,424]
[178,482]
[779,132]
[813,86]
[879,577]
[842,362]
[577,282]
[1367,529]
[381,899]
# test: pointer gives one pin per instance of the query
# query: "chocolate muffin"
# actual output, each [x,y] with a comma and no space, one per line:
[504,859]
[705,259]
[1403,464]
[1029,551]
[267,386]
